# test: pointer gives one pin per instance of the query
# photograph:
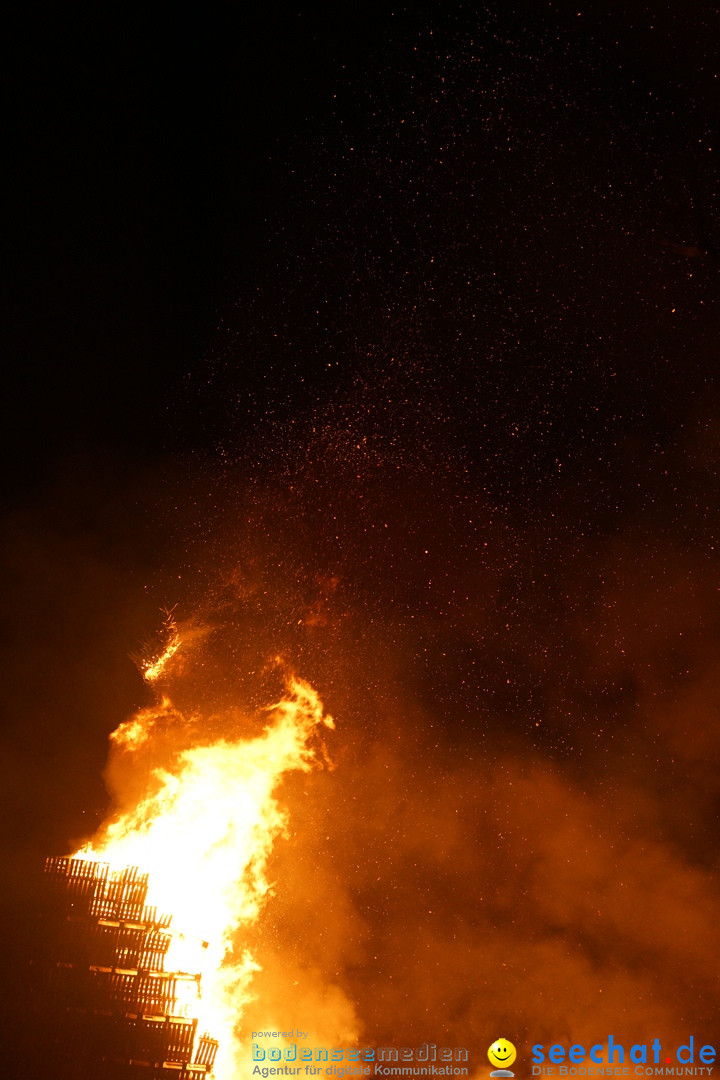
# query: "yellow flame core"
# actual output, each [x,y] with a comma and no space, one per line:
[204,835]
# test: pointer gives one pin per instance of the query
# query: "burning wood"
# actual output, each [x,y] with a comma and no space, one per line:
[110,1006]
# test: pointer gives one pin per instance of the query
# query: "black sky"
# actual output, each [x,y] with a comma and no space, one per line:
[153,164]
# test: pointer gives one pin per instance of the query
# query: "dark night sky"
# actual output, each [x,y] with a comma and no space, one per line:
[392,336]
[164,171]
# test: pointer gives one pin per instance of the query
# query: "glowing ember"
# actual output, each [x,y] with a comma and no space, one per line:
[152,668]
[204,831]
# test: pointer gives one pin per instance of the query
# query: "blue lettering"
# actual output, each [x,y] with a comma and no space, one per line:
[612,1047]
[689,1048]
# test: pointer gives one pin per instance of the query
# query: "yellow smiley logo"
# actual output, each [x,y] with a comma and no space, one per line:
[502,1053]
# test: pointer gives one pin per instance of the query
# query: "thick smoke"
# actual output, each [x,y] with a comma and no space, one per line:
[516,835]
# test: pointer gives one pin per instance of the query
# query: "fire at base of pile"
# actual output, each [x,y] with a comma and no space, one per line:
[106,1007]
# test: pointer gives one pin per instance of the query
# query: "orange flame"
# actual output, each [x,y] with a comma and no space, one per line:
[204,833]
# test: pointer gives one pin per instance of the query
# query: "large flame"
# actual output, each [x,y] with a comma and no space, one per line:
[204,831]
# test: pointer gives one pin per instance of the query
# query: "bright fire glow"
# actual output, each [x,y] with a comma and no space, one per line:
[204,832]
